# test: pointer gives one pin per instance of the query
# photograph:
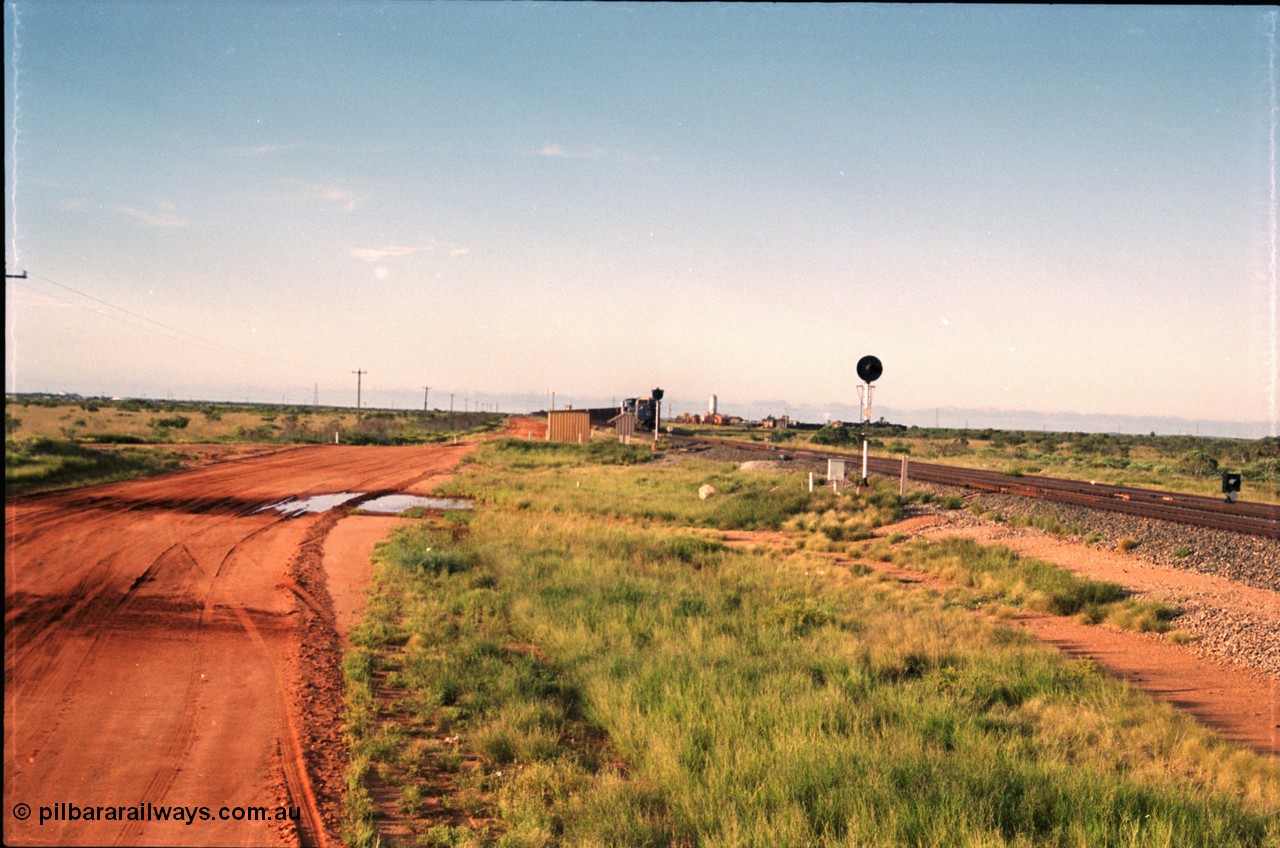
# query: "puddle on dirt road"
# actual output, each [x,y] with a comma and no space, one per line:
[395,504]
[386,504]
[292,507]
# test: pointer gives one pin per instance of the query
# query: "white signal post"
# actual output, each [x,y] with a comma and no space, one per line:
[864,396]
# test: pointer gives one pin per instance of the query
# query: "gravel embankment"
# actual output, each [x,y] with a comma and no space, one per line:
[1251,560]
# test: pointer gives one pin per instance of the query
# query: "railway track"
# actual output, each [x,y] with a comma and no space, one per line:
[1257,519]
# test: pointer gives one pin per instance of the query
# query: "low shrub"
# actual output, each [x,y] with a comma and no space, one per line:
[44,463]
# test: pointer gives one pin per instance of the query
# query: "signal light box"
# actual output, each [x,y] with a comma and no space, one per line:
[1231,483]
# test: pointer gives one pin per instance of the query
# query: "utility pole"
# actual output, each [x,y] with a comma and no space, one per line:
[426,393]
[359,375]
[450,403]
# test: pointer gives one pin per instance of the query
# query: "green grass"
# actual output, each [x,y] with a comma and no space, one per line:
[585,670]
[992,573]
[1001,574]
[600,480]
[1046,523]
[41,464]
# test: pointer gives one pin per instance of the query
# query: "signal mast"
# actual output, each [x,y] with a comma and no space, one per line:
[869,369]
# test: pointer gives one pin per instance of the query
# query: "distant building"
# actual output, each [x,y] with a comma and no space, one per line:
[569,426]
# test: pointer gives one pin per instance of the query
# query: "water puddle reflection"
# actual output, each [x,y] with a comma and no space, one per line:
[293,507]
[383,505]
[396,504]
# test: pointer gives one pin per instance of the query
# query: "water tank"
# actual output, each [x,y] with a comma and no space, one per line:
[711,406]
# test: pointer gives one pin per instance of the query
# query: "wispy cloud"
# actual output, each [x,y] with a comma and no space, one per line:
[449,248]
[558,151]
[258,150]
[252,150]
[381,252]
[341,198]
[377,254]
[333,196]
[555,150]
[161,215]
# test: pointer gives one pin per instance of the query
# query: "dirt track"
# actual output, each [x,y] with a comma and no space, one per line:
[165,644]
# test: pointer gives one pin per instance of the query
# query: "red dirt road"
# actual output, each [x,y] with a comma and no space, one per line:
[166,644]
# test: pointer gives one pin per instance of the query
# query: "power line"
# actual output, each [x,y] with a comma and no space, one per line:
[184,335]
[194,341]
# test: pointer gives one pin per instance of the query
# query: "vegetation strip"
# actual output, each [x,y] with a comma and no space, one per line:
[43,463]
[996,574]
[581,660]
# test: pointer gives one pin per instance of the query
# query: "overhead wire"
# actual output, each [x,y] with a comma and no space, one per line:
[182,336]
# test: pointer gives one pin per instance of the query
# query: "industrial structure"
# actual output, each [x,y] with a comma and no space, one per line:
[569,425]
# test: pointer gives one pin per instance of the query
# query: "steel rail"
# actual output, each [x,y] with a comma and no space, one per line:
[1249,517]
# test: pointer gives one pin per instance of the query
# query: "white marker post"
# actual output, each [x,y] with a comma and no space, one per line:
[835,473]
[864,395]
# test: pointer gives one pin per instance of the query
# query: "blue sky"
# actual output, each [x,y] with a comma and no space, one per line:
[1063,210]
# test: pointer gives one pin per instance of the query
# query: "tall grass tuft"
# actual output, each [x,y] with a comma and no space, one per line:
[999,573]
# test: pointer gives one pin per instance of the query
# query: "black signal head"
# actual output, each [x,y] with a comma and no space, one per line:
[869,369]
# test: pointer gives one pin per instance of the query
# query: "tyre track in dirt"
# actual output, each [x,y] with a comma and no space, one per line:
[217,602]
[166,644]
